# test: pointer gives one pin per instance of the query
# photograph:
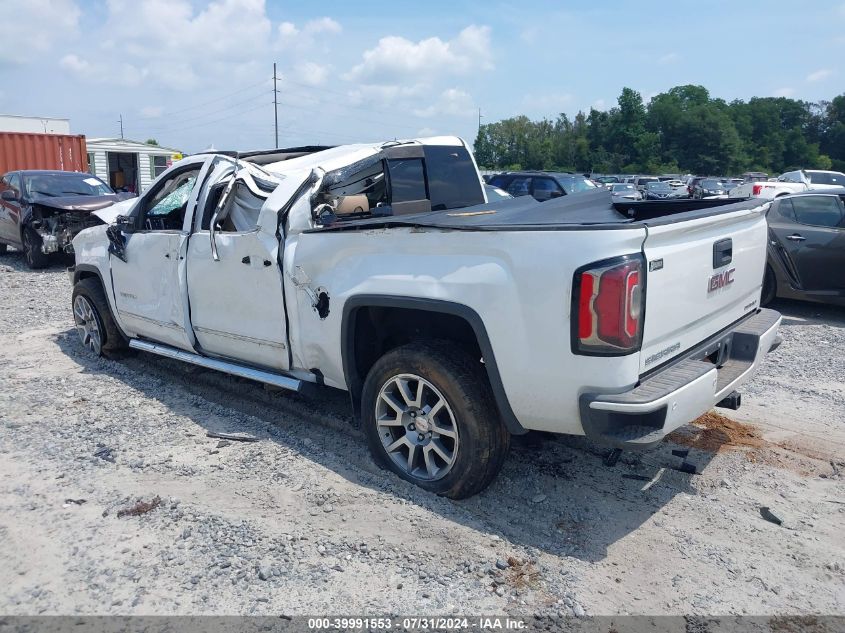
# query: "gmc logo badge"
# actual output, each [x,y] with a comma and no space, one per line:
[720,280]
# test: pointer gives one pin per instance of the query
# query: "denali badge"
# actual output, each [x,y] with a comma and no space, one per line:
[655,264]
[720,280]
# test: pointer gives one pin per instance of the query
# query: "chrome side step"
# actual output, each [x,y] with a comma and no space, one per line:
[284,382]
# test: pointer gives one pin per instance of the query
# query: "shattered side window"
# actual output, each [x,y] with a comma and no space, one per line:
[175,198]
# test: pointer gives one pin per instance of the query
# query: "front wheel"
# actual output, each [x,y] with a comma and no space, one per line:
[35,257]
[92,317]
[429,417]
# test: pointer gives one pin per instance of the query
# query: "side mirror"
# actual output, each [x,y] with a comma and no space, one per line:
[556,194]
[9,195]
[125,223]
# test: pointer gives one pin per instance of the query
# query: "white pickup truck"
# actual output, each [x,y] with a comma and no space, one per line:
[790,182]
[453,322]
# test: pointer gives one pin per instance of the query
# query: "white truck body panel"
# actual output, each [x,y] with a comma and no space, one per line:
[681,308]
[519,282]
[502,276]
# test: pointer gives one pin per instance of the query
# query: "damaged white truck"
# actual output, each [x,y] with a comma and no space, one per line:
[453,322]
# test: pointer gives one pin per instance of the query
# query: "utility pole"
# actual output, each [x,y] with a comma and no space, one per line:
[479,120]
[121,127]
[275,106]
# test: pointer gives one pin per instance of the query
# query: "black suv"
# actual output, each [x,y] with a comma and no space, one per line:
[543,185]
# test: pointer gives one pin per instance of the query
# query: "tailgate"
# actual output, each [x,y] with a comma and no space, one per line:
[703,275]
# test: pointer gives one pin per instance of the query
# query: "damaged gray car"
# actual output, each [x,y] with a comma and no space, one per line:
[42,211]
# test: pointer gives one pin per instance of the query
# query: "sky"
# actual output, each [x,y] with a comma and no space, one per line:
[196,74]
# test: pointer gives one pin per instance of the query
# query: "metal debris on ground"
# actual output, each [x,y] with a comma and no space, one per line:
[636,477]
[235,437]
[139,508]
[105,453]
[771,518]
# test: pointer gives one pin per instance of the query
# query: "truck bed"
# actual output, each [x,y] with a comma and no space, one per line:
[593,210]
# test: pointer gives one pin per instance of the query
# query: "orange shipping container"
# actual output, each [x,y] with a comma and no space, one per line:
[26,150]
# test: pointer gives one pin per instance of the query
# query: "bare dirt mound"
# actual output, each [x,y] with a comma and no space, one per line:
[715,433]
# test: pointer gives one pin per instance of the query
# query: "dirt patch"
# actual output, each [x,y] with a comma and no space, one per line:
[715,433]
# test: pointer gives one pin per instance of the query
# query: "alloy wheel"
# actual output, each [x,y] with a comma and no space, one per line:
[417,427]
[87,324]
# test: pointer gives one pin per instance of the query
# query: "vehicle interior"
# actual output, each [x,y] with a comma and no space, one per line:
[359,191]
[165,209]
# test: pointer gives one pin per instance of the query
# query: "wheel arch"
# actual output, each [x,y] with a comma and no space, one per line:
[358,314]
[87,271]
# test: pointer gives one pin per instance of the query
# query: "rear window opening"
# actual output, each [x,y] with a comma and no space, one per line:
[403,180]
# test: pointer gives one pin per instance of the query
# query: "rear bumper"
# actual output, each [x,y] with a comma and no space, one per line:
[687,388]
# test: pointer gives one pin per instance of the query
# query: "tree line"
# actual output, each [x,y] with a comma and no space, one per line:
[679,131]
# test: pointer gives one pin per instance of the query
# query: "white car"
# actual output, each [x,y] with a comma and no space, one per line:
[453,322]
[815,178]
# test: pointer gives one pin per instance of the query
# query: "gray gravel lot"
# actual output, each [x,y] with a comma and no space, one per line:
[301,521]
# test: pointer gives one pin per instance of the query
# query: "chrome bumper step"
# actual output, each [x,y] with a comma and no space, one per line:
[228,367]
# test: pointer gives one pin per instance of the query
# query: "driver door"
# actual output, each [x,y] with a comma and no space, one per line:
[149,286]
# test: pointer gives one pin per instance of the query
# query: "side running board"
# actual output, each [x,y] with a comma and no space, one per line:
[285,382]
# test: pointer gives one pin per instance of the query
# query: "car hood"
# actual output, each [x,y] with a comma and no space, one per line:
[76,203]
[109,214]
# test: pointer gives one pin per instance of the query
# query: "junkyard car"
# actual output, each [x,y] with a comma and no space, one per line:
[453,322]
[42,211]
[807,247]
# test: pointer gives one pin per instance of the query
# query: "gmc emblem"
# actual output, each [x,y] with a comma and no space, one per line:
[720,280]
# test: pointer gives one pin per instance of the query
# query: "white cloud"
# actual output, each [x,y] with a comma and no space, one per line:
[322,25]
[783,92]
[452,102]
[385,94]
[34,27]
[288,29]
[311,73]
[819,75]
[399,60]
[151,112]
[599,104]
[668,58]
[74,64]
[166,41]
[295,38]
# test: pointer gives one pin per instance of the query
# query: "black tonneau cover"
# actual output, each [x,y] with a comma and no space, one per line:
[594,209]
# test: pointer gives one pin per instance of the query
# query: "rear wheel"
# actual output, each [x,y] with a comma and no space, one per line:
[35,258]
[770,287]
[429,416]
[94,323]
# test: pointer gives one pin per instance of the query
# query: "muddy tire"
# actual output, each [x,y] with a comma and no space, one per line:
[770,287]
[429,416]
[93,319]
[35,259]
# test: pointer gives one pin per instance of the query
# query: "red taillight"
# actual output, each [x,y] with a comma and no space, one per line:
[756,190]
[610,308]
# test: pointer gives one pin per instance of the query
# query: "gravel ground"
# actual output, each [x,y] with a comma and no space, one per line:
[301,521]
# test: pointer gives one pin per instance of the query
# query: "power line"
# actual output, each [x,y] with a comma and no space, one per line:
[234,114]
[178,123]
[220,98]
